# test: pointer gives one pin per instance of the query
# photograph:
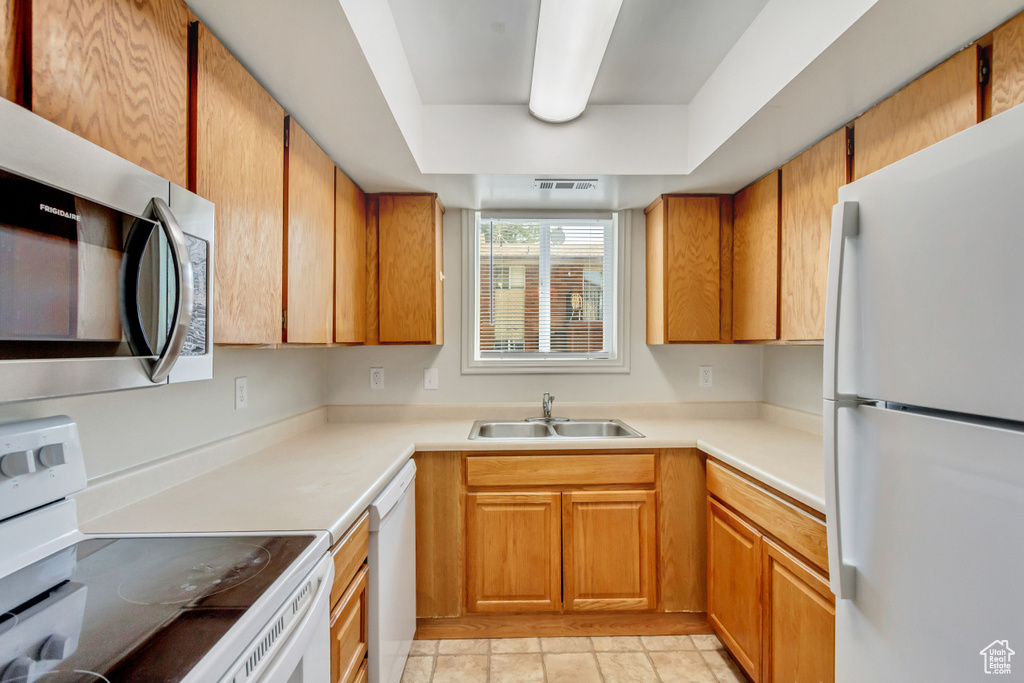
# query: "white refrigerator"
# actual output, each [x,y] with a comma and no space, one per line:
[924,413]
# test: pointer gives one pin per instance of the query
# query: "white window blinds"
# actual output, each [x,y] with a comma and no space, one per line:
[545,288]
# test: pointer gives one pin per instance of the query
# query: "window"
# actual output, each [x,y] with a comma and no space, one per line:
[544,293]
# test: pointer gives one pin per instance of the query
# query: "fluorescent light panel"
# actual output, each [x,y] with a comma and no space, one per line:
[572,36]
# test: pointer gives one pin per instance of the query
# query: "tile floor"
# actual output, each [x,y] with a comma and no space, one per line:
[619,659]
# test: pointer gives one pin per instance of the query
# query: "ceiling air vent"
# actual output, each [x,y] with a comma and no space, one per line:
[565,184]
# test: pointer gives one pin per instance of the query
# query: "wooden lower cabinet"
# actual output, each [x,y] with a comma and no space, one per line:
[768,591]
[734,585]
[561,543]
[348,631]
[799,620]
[349,607]
[608,550]
[513,552]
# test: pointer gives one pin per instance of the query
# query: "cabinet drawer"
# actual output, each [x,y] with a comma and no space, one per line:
[560,470]
[348,631]
[349,555]
[792,526]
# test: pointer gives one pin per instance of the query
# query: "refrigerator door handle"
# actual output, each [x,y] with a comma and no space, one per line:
[842,574]
[845,223]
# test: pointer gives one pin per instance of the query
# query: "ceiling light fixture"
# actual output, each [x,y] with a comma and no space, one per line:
[572,37]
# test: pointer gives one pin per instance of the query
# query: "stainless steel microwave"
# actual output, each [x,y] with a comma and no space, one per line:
[106,269]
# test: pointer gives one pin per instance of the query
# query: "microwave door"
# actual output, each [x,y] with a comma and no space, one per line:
[157,298]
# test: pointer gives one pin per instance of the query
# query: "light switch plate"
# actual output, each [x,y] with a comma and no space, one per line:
[430,379]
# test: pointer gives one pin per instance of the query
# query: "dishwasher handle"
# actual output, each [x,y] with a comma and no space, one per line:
[388,499]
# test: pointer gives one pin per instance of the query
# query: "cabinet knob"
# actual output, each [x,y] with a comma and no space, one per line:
[56,647]
[21,669]
[17,464]
[52,455]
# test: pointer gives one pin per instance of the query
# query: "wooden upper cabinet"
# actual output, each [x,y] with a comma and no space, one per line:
[810,188]
[1008,65]
[942,102]
[411,287]
[755,265]
[734,585]
[349,261]
[116,73]
[309,239]
[10,51]
[799,621]
[684,239]
[239,166]
[513,552]
[609,550]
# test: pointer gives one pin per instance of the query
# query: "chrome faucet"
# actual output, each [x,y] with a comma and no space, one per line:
[546,403]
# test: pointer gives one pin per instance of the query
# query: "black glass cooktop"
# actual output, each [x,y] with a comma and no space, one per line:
[132,609]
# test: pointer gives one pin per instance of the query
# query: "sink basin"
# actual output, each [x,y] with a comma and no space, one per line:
[510,430]
[594,429]
[553,430]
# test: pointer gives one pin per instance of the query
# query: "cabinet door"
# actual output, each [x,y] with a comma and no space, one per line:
[349,261]
[116,73]
[799,621]
[734,585]
[10,52]
[513,552]
[608,550]
[1008,65]
[239,158]
[944,101]
[348,631]
[411,292]
[810,188]
[755,266]
[692,257]
[309,240]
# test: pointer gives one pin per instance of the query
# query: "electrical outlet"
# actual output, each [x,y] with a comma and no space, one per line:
[430,379]
[376,378]
[704,378]
[241,392]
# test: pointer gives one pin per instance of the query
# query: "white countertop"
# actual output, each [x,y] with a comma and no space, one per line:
[326,477]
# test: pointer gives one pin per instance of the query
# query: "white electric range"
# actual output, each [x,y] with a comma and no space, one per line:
[239,607]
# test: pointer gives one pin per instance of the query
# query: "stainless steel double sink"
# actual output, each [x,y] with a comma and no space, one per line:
[555,429]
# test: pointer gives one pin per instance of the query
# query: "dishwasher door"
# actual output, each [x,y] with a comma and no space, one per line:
[392,584]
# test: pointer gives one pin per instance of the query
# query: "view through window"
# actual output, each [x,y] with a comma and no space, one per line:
[545,289]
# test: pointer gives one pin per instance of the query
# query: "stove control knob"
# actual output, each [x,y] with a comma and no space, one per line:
[21,669]
[17,463]
[56,646]
[52,455]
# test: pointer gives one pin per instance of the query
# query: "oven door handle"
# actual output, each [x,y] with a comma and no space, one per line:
[135,248]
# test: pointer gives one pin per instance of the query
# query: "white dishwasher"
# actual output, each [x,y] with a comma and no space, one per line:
[392,585]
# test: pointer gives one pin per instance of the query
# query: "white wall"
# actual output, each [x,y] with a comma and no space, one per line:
[792,377]
[658,374]
[127,428]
